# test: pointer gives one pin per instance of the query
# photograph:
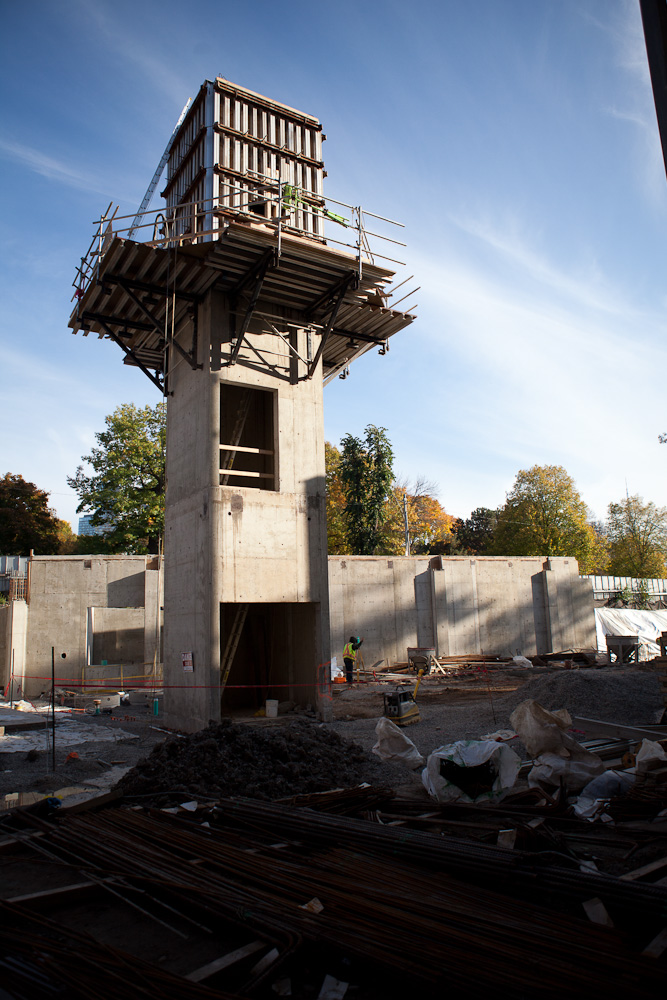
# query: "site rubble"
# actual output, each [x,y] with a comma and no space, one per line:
[263,857]
[228,759]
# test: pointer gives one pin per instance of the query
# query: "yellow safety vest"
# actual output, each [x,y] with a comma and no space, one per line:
[349,652]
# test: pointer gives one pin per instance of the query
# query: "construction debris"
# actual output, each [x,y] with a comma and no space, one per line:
[269,870]
[237,759]
[243,895]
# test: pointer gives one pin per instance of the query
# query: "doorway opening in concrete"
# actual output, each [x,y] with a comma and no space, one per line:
[275,654]
[247,437]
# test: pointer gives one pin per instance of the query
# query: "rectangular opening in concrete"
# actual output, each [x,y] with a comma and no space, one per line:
[275,654]
[247,437]
[118,635]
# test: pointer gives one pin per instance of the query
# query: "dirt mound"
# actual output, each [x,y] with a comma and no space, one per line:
[627,697]
[230,759]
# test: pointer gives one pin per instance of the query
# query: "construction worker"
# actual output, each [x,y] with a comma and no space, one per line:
[350,655]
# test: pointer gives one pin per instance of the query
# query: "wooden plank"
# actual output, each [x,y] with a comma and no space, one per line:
[264,963]
[658,945]
[60,891]
[231,958]
[333,989]
[654,866]
[24,838]
[596,912]
[506,838]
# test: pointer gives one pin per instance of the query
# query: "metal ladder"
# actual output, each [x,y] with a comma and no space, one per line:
[158,173]
[232,645]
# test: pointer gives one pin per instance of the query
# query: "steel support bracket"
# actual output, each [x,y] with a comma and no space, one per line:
[130,354]
[189,356]
[256,274]
[334,299]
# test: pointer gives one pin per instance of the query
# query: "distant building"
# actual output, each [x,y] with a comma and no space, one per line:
[86,528]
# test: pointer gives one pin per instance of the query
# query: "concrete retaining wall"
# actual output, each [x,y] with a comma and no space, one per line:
[64,589]
[459,605]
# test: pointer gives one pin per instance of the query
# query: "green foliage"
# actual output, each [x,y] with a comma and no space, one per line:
[126,489]
[336,524]
[474,536]
[637,533]
[643,598]
[26,520]
[543,515]
[366,474]
[429,525]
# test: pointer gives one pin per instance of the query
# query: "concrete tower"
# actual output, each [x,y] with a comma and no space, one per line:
[239,308]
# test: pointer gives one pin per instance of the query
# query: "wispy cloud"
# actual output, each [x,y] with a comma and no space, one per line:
[624,27]
[506,238]
[537,372]
[134,48]
[54,170]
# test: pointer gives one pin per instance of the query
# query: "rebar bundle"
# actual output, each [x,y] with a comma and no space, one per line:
[384,895]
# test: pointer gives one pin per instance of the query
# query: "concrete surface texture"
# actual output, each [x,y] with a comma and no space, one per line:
[245,543]
[70,608]
[108,607]
[459,605]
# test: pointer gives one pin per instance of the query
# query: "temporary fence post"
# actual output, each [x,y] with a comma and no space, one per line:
[53,708]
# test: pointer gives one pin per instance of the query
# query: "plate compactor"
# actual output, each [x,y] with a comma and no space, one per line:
[400,705]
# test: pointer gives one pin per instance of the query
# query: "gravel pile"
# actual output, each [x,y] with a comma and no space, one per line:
[259,762]
[627,697]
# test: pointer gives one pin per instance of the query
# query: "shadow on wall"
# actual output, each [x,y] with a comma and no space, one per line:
[119,645]
[487,604]
[128,592]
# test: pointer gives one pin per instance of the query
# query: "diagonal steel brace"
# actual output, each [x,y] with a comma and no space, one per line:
[189,357]
[268,260]
[350,280]
[114,336]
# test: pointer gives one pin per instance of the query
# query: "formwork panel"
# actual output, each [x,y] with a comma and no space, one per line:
[258,144]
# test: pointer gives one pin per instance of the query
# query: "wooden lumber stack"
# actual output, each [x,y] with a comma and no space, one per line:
[650,782]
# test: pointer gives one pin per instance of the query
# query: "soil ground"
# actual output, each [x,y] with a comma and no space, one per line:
[468,706]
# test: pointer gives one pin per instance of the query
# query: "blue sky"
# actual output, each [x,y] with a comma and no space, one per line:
[515,139]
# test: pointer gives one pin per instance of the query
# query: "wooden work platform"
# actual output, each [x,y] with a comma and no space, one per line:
[11,720]
[141,290]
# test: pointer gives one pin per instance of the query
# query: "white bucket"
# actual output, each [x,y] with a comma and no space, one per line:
[271,709]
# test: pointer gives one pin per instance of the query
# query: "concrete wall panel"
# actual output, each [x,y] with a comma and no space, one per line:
[461,605]
[62,589]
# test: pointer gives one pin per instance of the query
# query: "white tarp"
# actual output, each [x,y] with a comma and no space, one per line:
[504,766]
[646,624]
[68,734]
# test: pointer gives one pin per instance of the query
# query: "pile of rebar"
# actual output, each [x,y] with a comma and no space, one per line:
[440,913]
[40,960]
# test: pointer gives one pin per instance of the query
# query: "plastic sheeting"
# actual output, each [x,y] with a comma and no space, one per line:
[466,759]
[647,625]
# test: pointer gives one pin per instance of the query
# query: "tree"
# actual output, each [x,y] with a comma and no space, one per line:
[26,520]
[336,523]
[429,525]
[543,515]
[366,473]
[475,534]
[126,491]
[637,533]
[68,542]
[597,559]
